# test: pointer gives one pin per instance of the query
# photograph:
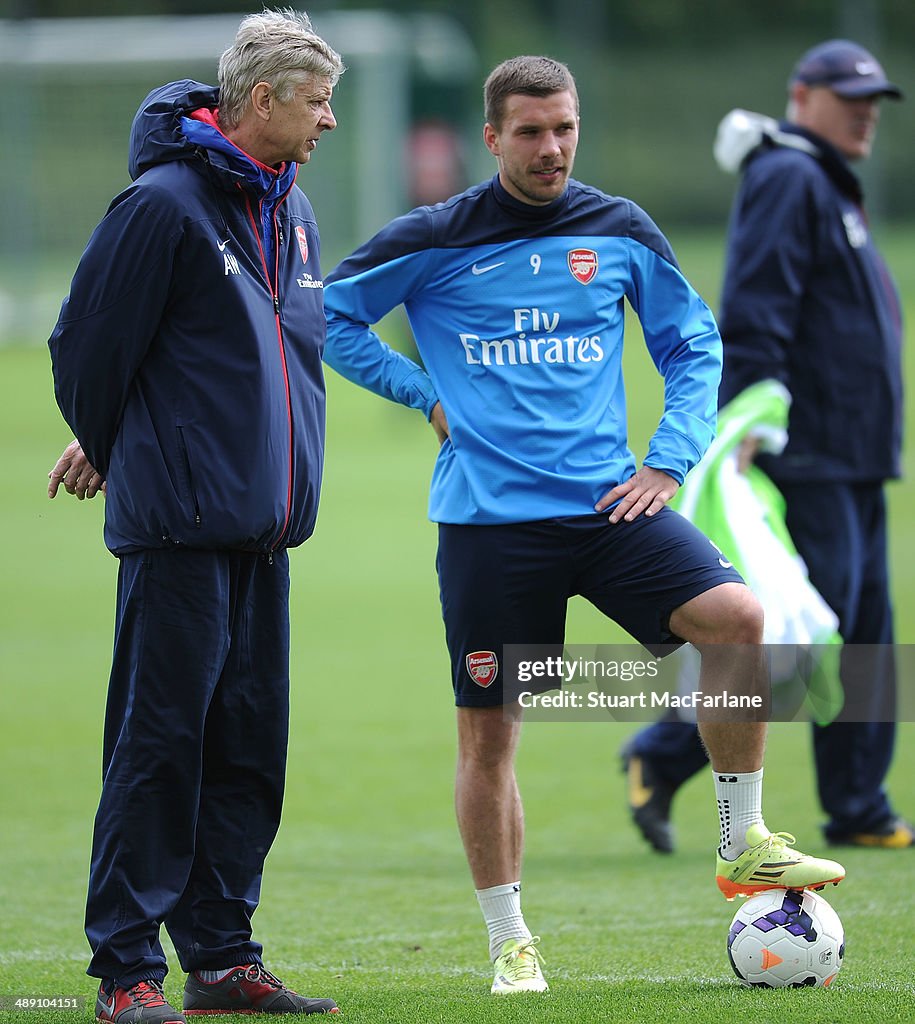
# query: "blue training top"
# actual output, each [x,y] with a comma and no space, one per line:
[518,315]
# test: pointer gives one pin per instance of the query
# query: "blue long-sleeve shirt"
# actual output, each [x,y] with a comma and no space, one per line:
[518,315]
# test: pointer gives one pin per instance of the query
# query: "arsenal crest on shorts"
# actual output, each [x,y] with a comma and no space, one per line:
[482,667]
[583,264]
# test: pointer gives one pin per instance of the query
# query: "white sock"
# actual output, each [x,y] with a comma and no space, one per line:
[501,906]
[739,806]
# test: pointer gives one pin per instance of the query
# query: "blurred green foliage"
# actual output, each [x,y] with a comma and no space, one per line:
[632,21]
[654,78]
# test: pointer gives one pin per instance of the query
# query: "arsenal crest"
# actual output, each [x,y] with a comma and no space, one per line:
[302,239]
[482,667]
[583,264]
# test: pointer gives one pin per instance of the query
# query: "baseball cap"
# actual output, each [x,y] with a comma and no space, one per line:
[846,68]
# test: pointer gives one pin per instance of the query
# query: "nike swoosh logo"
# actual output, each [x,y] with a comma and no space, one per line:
[485,270]
[221,246]
[724,564]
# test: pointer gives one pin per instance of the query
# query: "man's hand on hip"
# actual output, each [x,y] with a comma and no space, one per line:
[648,491]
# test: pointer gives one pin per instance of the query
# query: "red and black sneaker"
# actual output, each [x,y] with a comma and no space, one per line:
[142,1003]
[248,988]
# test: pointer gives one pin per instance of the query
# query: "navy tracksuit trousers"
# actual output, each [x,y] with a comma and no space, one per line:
[840,532]
[194,760]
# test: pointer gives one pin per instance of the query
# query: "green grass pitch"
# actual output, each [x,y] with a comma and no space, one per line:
[367,896]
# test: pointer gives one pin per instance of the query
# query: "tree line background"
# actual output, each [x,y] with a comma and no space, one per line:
[655,77]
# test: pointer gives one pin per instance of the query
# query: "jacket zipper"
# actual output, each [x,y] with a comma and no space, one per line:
[273,285]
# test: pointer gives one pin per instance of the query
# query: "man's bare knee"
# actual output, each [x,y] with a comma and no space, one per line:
[744,620]
[726,614]
[487,737]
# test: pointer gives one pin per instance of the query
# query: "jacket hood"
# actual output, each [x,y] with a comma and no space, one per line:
[165,129]
[155,135]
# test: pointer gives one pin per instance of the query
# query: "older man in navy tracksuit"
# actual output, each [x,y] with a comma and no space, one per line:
[187,361]
[808,300]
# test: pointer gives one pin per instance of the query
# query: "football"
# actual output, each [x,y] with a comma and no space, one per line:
[784,938]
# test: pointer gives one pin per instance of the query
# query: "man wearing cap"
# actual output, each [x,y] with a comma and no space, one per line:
[808,300]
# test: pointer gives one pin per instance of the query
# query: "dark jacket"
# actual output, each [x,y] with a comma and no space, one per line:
[807,299]
[187,357]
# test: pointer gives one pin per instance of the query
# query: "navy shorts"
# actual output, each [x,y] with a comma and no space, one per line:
[511,585]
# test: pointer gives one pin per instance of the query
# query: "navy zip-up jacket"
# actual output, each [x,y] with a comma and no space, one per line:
[807,299]
[187,357]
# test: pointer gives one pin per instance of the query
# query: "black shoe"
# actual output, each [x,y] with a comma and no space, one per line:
[649,800]
[248,988]
[895,834]
[143,1003]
